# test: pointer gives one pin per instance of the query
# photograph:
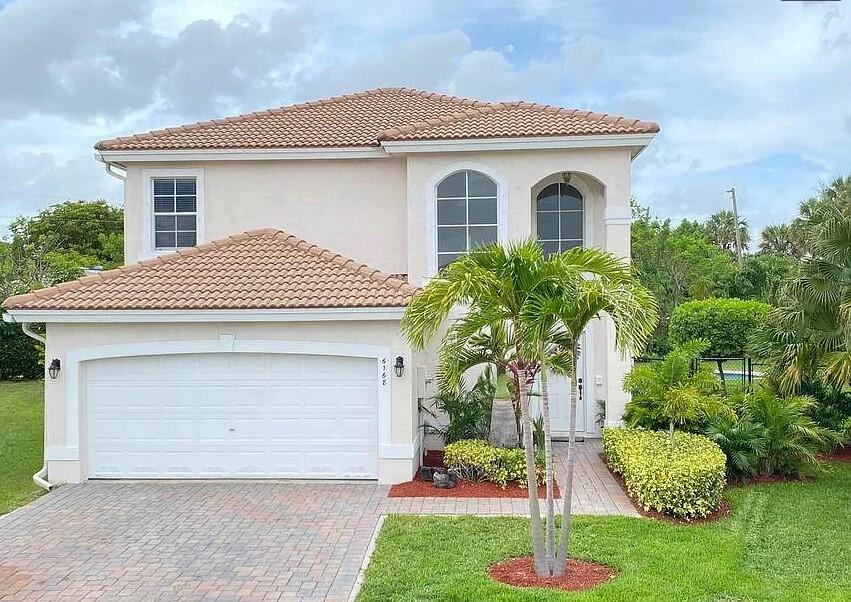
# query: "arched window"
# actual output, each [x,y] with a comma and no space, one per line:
[560,217]
[466,214]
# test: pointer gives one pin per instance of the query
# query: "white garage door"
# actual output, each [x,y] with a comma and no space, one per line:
[232,415]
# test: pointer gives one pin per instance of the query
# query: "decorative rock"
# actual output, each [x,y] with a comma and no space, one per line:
[444,480]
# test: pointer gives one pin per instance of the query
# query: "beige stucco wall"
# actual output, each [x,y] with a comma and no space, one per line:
[602,175]
[65,338]
[353,207]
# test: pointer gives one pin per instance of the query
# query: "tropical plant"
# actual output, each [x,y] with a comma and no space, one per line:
[809,335]
[792,440]
[467,412]
[477,460]
[543,304]
[674,391]
[780,239]
[721,228]
[742,440]
[726,324]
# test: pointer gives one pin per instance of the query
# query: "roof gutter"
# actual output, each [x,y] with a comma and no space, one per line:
[40,477]
[116,170]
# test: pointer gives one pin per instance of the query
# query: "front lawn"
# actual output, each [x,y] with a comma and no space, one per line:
[21,438]
[789,541]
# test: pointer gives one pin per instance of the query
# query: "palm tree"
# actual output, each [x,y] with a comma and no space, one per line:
[721,229]
[809,334]
[779,239]
[542,304]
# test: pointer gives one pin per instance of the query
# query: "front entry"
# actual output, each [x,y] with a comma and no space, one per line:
[559,398]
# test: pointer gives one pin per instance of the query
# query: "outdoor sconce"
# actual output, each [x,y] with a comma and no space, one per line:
[399,366]
[54,368]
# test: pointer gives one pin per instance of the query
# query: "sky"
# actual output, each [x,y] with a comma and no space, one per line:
[754,94]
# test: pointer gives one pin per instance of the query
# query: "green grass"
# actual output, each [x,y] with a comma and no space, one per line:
[21,437]
[789,541]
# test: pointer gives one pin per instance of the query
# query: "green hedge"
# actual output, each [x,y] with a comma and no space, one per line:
[726,323]
[20,356]
[685,481]
[478,460]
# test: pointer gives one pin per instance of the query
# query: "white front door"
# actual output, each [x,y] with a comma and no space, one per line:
[212,415]
[559,401]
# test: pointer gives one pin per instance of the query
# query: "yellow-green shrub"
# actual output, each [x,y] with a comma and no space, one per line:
[685,480]
[478,460]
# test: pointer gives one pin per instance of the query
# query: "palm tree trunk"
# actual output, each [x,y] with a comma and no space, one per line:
[548,467]
[564,540]
[531,478]
[671,434]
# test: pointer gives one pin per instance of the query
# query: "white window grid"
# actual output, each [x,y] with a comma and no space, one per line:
[466,225]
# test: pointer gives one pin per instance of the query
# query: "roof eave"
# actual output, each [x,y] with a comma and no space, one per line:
[21,315]
[241,154]
[637,142]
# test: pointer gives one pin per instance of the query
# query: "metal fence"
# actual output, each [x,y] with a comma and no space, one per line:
[732,369]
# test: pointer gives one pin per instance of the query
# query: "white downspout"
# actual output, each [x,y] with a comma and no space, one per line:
[111,168]
[39,478]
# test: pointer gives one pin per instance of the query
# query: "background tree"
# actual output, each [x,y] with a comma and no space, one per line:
[721,229]
[781,239]
[91,230]
[809,335]
[51,247]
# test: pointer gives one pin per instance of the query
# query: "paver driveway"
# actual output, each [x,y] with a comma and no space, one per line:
[223,540]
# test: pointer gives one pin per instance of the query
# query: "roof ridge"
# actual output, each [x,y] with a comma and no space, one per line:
[346,262]
[242,117]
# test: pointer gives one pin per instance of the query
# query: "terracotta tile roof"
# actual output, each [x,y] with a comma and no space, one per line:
[519,119]
[260,269]
[366,118]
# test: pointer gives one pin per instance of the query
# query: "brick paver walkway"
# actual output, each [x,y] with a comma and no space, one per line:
[225,540]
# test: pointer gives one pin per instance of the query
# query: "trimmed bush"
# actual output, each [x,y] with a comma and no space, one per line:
[685,480]
[20,356]
[477,460]
[726,323]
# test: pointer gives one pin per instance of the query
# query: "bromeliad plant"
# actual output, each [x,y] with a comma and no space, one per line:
[542,305]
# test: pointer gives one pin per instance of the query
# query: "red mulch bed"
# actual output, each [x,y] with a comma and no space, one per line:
[434,458]
[765,479]
[580,575]
[420,488]
[722,511]
[840,454]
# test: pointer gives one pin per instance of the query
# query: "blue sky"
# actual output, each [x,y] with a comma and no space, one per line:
[753,94]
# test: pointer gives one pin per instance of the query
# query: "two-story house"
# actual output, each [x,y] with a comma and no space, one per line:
[254,331]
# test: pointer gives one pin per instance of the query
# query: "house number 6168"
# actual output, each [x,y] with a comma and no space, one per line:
[384,371]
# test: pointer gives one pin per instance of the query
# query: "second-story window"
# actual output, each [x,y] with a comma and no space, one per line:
[466,214]
[175,212]
[560,212]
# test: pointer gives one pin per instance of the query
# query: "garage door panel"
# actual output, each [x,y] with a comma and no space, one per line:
[237,415]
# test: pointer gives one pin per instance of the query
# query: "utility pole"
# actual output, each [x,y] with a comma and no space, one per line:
[732,193]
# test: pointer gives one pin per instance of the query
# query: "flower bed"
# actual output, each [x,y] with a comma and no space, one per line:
[685,481]
[477,460]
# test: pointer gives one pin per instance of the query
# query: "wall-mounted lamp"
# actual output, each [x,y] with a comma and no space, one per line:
[565,176]
[399,366]
[54,368]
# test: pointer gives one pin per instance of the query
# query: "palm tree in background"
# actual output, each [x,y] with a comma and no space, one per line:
[780,239]
[541,304]
[809,334]
[721,229]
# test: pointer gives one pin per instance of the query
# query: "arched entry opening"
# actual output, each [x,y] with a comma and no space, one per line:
[562,206]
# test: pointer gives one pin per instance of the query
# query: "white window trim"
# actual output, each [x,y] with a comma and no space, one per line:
[431,207]
[590,201]
[148,248]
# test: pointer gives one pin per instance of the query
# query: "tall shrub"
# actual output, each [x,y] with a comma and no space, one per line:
[727,324]
[20,356]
